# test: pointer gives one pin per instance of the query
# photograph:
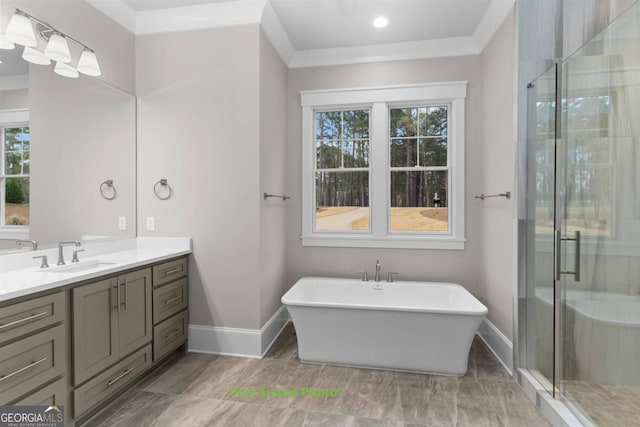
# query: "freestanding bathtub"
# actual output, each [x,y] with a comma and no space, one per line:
[407,326]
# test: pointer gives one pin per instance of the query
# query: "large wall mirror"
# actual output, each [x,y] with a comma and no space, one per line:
[63,138]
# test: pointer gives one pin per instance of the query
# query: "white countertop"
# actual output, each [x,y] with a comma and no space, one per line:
[16,280]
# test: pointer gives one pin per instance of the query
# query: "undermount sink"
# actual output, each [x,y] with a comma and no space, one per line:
[81,266]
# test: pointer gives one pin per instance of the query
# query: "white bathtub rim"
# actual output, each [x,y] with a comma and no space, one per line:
[481,309]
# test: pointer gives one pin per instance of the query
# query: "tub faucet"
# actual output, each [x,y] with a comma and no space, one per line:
[378,271]
[61,254]
[33,243]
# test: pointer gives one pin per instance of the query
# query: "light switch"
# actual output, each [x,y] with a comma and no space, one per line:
[122,223]
[151,223]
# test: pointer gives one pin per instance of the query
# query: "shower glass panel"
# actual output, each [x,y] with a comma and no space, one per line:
[599,210]
[539,311]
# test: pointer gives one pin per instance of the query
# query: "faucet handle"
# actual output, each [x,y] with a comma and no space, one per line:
[44,261]
[365,276]
[75,255]
[390,276]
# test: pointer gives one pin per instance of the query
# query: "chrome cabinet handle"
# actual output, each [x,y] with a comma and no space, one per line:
[124,302]
[117,298]
[121,376]
[170,300]
[172,334]
[29,366]
[576,267]
[172,270]
[26,319]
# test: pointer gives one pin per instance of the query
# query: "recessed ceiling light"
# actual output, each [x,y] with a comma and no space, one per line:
[380,22]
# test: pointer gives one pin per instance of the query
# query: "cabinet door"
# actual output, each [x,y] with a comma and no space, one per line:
[134,319]
[95,328]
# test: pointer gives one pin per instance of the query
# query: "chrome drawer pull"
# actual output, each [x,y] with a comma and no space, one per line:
[26,319]
[172,334]
[170,300]
[31,365]
[119,377]
[172,270]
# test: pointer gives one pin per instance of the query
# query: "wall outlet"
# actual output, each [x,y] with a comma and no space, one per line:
[122,223]
[151,223]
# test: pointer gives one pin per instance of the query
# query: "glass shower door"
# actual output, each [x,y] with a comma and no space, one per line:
[599,208]
[540,202]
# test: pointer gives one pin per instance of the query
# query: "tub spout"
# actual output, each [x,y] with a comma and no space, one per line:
[378,271]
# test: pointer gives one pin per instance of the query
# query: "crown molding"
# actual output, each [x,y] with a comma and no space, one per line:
[456,46]
[238,12]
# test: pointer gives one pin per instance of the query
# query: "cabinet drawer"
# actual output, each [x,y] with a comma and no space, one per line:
[109,382]
[170,334]
[31,362]
[53,394]
[169,271]
[28,316]
[170,299]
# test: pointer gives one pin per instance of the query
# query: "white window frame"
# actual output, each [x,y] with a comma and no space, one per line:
[379,100]
[11,118]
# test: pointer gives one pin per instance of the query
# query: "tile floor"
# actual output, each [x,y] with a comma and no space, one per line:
[193,390]
[607,405]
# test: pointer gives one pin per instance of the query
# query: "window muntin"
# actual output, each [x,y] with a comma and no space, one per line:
[419,169]
[14,175]
[342,170]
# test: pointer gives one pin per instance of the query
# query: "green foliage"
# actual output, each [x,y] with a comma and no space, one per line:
[15,191]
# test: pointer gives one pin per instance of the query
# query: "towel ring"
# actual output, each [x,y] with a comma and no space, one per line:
[103,189]
[162,183]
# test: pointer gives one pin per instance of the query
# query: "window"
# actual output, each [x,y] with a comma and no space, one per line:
[384,167]
[14,174]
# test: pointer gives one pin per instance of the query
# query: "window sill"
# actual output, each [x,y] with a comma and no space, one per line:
[14,233]
[389,242]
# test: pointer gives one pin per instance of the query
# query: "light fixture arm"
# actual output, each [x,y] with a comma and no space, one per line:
[46,33]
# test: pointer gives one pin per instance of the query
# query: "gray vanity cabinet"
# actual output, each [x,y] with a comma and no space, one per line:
[111,319]
[134,318]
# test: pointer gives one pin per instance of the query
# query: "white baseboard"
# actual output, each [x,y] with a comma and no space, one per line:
[498,343]
[237,342]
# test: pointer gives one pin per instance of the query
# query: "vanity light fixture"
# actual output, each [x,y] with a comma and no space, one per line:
[35,56]
[57,49]
[65,70]
[21,31]
[380,22]
[5,43]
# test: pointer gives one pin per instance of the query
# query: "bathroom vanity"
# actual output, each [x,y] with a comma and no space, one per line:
[78,335]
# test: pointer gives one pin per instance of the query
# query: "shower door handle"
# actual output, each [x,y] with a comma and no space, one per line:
[559,240]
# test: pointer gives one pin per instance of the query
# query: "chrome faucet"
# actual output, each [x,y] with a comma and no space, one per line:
[378,271]
[33,243]
[61,254]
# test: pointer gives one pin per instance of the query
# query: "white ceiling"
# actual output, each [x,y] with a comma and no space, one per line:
[327,32]
[142,5]
[318,24]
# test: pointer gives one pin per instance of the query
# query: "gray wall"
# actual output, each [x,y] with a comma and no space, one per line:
[199,127]
[13,99]
[498,175]
[431,265]
[273,121]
